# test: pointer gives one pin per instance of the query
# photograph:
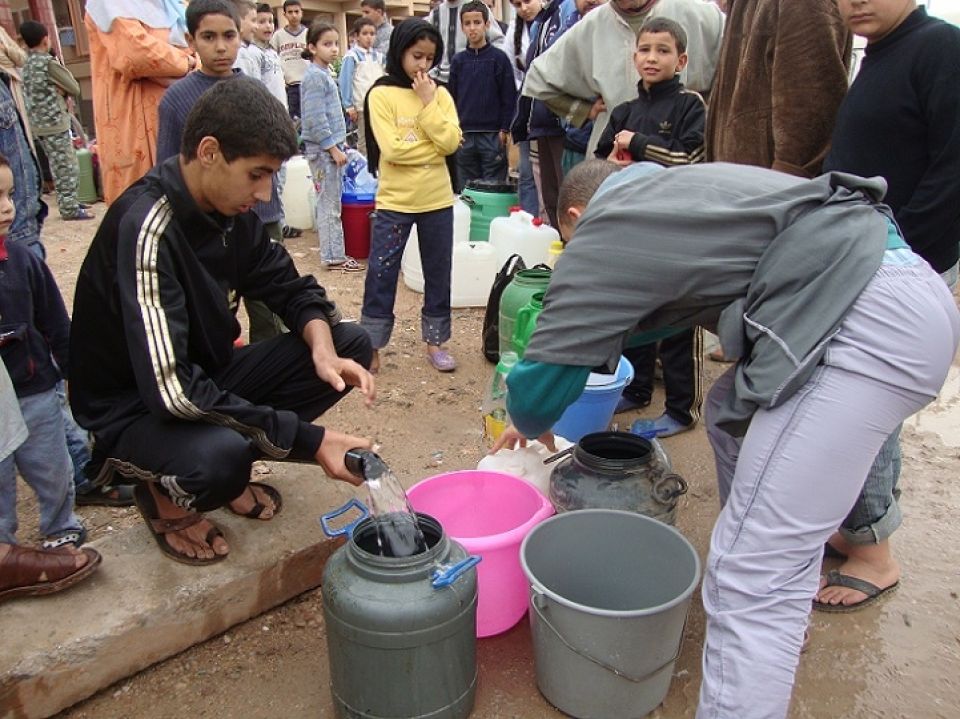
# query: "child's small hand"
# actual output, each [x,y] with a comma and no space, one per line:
[619,157]
[352,114]
[598,107]
[504,138]
[425,88]
[338,156]
[623,139]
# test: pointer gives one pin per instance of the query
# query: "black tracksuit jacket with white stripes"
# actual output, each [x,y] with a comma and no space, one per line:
[154,315]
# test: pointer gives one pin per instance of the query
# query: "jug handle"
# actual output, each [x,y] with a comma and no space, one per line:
[347,529]
[445,576]
[666,494]
[468,201]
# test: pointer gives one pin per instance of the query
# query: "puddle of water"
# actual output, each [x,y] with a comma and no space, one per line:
[942,416]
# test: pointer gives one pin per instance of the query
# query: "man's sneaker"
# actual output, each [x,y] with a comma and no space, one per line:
[662,426]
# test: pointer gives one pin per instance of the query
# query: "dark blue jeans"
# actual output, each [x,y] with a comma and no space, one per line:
[481,157]
[390,232]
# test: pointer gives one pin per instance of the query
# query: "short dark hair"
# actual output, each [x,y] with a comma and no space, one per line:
[244,5]
[266,128]
[33,32]
[375,4]
[671,27]
[291,3]
[475,6]
[582,183]
[199,9]
[362,22]
[264,7]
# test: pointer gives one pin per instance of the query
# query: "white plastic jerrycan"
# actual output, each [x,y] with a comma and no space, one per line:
[523,234]
[299,194]
[474,265]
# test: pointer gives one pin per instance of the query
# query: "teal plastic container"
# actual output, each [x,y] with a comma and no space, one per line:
[87,188]
[526,323]
[487,201]
[524,285]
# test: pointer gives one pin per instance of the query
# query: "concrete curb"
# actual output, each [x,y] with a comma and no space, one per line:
[141,607]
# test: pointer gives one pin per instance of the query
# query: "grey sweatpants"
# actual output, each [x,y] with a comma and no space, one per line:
[794,477]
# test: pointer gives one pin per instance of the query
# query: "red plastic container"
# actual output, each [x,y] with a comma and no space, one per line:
[355,217]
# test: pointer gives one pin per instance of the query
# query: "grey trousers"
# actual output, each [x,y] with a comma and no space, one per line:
[877,515]
[790,482]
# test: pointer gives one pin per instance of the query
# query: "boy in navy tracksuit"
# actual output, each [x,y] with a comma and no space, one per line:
[482,86]
[665,125]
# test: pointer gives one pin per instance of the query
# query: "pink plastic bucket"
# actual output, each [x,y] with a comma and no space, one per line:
[489,513]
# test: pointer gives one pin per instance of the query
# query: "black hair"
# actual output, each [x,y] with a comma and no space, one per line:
[316,31]
[475,6]
[582,183]
[671,27]
[244,6]
[405,35]
[266,128]
[362,22]
[33,33]
[290,3]
[264,7]
[199,9]
[375,4]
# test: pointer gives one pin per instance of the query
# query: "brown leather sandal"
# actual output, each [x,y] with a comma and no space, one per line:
[257,509]
[160,528]
[28,572]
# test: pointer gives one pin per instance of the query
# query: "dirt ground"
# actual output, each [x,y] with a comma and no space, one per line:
[901,659]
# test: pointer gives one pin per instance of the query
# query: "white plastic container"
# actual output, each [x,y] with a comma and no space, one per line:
[410,263]
[472,272]
[299,194]
[523,234]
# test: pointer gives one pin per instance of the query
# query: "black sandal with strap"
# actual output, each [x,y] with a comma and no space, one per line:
[257,509]
[160,528]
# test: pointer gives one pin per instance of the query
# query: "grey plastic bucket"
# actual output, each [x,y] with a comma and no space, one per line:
[609,594]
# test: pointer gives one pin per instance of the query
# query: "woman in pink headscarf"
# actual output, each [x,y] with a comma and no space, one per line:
[137,48]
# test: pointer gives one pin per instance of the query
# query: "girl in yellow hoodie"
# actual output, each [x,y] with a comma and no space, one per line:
[412,132]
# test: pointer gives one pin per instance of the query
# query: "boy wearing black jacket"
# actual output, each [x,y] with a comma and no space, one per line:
[664,125]
[155,374]
[484,91]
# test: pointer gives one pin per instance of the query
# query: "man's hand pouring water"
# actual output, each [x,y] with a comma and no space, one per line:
[332,450]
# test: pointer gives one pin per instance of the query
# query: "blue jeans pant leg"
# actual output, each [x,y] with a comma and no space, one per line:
[78,443]
[389,238]
[527,187]
[328,184]
[492,156]
[435,233]
[45,466]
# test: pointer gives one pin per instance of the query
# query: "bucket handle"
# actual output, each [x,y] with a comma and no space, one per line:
[668,488]
[539,603]
[468,201]
[347,529]
[445,576]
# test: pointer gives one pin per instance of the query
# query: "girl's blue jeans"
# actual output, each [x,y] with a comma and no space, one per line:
[390,232]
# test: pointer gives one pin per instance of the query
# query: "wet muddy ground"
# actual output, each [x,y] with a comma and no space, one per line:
[900,659]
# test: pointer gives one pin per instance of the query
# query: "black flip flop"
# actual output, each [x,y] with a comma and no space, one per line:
[874,593]
[258,508]
[160,528]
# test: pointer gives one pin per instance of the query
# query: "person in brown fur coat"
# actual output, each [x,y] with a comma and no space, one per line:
[781,77]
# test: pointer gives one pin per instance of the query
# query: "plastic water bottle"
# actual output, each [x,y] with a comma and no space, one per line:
[494,410]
